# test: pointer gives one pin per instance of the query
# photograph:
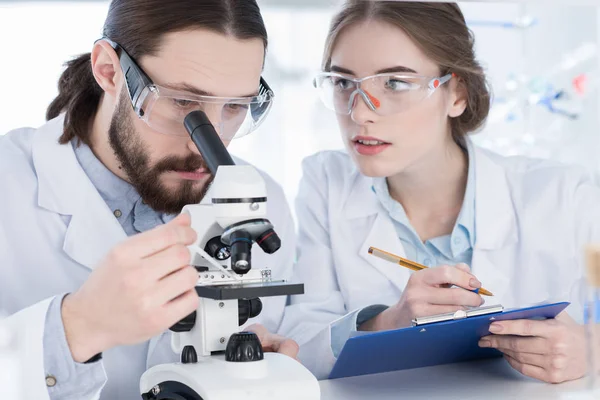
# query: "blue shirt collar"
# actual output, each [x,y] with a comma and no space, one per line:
[117,193]
[465,223]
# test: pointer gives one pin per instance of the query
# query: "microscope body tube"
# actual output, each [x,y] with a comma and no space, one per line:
[207,140]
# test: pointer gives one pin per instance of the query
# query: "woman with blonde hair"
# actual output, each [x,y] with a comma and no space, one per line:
[407,90]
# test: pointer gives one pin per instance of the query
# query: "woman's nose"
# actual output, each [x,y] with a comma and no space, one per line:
[362,107]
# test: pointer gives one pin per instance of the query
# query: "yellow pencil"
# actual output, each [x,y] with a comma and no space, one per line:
[409,264]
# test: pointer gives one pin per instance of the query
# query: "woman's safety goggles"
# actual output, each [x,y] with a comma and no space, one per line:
[385,94]
[164,109]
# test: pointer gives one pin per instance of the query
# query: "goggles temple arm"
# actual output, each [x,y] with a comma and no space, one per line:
[136,79]
[437,82]
[264,88]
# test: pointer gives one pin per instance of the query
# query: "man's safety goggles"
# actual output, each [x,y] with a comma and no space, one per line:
[164,109]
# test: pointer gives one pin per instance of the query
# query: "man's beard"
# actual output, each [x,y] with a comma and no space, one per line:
[135,162]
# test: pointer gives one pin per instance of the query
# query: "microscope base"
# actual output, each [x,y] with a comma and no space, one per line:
[213,378]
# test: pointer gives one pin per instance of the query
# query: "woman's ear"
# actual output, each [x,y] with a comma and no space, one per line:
[458,98]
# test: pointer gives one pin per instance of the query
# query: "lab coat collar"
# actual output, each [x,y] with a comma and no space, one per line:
[64,188]
[495,215]
[495,219]
[383,236]
[362,202]
[361,199]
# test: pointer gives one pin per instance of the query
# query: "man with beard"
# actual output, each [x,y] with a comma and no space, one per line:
[94,263]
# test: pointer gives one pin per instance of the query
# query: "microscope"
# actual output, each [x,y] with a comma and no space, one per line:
[218,362]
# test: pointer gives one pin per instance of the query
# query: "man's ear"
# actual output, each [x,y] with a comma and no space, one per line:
[459,97]
[106,68]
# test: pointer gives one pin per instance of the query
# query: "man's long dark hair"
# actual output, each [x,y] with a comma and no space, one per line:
[139,26]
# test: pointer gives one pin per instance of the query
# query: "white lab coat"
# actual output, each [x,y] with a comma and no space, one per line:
[532,221]
[55,228]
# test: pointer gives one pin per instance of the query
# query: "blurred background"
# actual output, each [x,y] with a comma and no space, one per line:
[541,57]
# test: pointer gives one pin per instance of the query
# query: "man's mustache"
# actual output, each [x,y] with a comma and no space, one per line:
[188,164]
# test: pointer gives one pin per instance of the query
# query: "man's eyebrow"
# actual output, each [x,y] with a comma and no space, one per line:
[185,87]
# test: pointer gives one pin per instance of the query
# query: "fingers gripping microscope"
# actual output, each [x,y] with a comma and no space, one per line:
[217,361]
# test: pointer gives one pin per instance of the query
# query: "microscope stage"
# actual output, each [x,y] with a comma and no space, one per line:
[249,290]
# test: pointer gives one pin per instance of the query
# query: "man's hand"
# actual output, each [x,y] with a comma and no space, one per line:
[143,287]
[428,292]
[552,350]
[275,343]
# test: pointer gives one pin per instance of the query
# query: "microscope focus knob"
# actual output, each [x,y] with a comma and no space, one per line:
[248,308]
[186,324]
[243,347]
[189,355]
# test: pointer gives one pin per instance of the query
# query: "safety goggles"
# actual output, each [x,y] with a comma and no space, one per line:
[385,94]
[164,109]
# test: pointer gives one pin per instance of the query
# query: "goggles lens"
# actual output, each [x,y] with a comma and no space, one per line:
[385,94]
[165,110]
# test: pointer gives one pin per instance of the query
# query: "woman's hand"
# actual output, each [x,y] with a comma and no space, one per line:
[552,350]
[429,292]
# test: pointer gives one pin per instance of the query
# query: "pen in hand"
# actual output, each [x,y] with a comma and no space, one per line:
[411,265]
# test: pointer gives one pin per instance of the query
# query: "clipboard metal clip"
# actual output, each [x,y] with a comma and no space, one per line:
[460,314]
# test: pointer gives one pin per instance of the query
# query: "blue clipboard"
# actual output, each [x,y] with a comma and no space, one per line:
[430,344]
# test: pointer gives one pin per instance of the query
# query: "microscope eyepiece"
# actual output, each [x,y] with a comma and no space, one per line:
[207,140]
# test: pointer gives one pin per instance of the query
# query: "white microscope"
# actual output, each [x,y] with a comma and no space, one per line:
[217,361]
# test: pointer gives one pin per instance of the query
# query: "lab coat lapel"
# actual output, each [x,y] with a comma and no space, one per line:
[362,203]
[494,270]
[64,188]
[92,231]
[383,235]
[495,225]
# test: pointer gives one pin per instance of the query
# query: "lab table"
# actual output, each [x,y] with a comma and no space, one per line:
[488,379]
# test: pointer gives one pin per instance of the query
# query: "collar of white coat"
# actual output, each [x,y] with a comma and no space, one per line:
[64,188]
[495,218]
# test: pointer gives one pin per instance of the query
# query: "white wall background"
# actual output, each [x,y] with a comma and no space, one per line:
[36,38]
